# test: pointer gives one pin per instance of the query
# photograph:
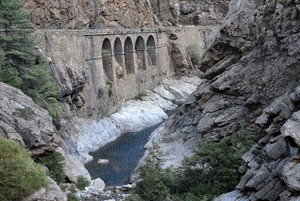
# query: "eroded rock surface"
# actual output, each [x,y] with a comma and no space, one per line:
[23,121]
[82,14]
[177,12]
[71,80]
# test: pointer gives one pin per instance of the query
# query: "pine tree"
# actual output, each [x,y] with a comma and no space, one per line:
[15,38]
[21,67]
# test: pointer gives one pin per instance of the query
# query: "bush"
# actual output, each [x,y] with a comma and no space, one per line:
[82,182]
[20,175]
[55,164]
[72,197]
[194,52]
[133,197]
[213,169]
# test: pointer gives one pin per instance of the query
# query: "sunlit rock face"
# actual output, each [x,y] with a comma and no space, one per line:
[252,72]
[88,14]
[25,122]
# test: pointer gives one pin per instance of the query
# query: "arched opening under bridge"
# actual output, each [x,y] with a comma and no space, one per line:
[140,52]
[151,50]
[129,59]
[107,59]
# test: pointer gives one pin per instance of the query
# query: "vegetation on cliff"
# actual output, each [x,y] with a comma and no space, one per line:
[20,175]
[21,65]
[211,171]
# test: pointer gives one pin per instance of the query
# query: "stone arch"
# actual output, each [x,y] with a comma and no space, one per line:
[129,59]
[140,52]
[151,50]
[118,53]
[107,59]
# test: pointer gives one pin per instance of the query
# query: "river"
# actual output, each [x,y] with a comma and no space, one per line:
[123,154]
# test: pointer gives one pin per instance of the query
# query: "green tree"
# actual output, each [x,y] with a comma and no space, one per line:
[20,64]
[16,34]
[20,175]
[155,183]
[2,59]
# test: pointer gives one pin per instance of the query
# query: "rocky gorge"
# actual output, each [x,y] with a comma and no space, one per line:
[250,75]
[252,72]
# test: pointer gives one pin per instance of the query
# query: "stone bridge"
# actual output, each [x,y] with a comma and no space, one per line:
[126,53]
[119,64]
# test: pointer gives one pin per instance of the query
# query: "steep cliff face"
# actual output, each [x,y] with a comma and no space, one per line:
[178,12]
[252,70]
[93,14]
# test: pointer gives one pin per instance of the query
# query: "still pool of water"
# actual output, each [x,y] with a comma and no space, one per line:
[123,155]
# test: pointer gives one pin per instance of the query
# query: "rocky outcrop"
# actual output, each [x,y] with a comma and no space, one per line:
[71,80]
[177,12]
[89,14]
[252,72]
[179,57]
[23,121]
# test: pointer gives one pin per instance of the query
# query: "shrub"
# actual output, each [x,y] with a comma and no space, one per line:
[82,182]
[105,55]
[72,197]
[140,96]
[25,113]
[133,197]
[213,169]
[194,52]
[55,164]
[20,175]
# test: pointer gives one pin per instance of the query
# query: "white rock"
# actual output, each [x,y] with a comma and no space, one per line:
[98,183]
[102,161]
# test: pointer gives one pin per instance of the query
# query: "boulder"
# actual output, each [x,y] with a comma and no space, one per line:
[73,167]
[291,128]
[291,176]
[102,161]
[98,183]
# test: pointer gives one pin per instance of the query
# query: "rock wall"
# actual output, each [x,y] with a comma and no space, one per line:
[178,12]
[252,71]
[23,121]
[89,14]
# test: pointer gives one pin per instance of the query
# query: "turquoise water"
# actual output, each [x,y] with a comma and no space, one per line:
[123,154]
